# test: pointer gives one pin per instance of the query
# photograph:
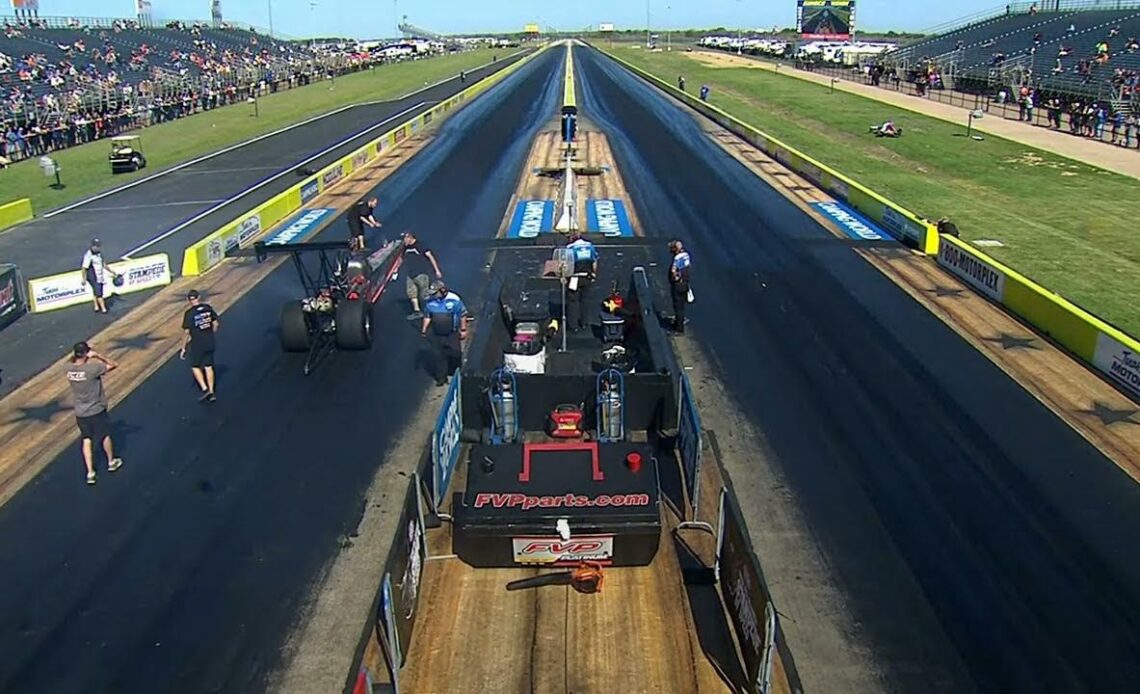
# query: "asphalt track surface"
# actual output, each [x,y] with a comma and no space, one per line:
[183,571]
[186,567]
[129,218]
[1018,534]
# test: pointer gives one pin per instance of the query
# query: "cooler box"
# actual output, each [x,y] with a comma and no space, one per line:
[613,327]
[508,515]
[525,357]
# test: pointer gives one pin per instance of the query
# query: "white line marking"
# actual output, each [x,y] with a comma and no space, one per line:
[218,171]
[231,148]
[157,204]
[260,184]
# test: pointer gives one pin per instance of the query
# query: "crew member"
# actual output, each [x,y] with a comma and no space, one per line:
[679,284]
[681,82]
[200,322]
[85,376]
[585,258]
[445,324]
[95,273]
[418,262]
[362,213]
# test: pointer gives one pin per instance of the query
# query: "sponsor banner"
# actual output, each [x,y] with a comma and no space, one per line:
[416,125]
[526,502]
[689,442]
[299,226]
[608,217]
[310,189]
[552,550]
[11,295]
[387,619]
[851,222]
[445,439]
[1120,361]
[246,230]
[531,218]
[68,289]
[361,158]
[745,595]
[405,566]
[901,227]
[977,273]
[400,134]
[428,117]
[331,176]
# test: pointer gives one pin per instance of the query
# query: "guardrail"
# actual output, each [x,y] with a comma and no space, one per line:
[900,222]
[1102,346]
[15,212]
[242,231]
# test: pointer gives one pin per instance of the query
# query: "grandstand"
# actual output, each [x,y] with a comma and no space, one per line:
[1072,48]
[65,81]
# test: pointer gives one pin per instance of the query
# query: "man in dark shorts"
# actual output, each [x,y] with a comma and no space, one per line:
[445,326]
[200,322]
[85,376]
[361,214]
[418,262]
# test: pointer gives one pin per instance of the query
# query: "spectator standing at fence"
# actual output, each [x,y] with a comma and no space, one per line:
[85,377]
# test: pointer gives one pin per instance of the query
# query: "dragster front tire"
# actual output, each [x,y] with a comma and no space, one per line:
[354,325]
[295,335]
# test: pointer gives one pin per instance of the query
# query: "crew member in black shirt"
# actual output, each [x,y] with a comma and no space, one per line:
[418,262]
[361,214]
[200,323]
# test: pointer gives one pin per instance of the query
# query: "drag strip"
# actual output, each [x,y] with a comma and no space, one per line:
[186,569]
[980,543]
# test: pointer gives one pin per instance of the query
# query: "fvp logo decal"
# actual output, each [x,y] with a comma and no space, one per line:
[531,218]
[608,217]
[851,222]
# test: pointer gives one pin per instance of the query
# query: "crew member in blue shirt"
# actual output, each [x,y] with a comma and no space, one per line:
[585,257]
[679,284]
[445,325]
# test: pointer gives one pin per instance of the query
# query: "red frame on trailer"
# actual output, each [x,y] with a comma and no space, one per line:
[591,446]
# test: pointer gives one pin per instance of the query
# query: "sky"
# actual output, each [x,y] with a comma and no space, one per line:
[377,18]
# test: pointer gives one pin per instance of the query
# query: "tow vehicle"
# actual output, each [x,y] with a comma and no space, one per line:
[126,154]
[336,310]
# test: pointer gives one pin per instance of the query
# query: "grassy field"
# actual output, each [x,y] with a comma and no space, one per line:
[85,171]
[1065,224]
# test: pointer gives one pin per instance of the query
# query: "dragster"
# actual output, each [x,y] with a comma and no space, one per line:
[336,309]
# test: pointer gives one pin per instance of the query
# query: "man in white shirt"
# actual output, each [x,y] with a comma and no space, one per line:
[95,273]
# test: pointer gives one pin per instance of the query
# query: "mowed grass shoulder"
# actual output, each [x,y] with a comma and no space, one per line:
[85,171]
[1067,225]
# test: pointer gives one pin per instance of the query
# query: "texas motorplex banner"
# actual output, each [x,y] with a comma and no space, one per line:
[69,289]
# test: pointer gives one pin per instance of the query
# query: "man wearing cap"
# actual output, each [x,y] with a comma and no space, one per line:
[200,322]
[361,214]
[418,262]
[445,324]
[679,284]
[85,376]
[95,273]
[585,258]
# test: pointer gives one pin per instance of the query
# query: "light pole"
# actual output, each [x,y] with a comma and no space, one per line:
[668,28]
[647,24]
[739,41]
[270,4]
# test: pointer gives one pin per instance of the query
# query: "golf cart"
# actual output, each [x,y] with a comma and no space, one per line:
[126,154]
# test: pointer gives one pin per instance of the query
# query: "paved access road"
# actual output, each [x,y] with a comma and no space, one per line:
[195,200]
[1014,532]
[183,571]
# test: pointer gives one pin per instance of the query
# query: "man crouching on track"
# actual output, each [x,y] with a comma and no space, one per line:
[418,261]
[445,324]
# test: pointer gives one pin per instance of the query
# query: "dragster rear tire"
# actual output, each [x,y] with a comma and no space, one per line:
[295,335]
[354,325]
